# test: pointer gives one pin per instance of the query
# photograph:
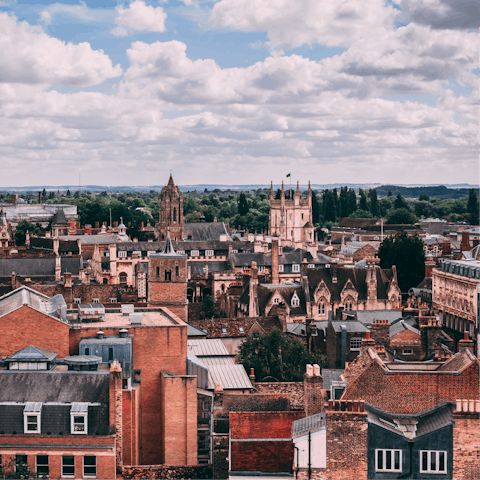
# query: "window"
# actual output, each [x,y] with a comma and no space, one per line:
[275,301]
[240,329]
[113,300]
[77,300]
[348,305]
[234,251]
[158,271]
[388,460]
[261,268]
[89,466]
[194,253]
[174,214]
[121,254]
[68,466]
[95,300]
[321,308]
[407,351]
[168,275]
[110,354]
[209,253]
[177,271]
[21,464]
[432,461]
[79,424]
[280,269]
[123,278]
[355,344]
[311,265]
[31,417]
[295,300]
[295,268]
[41,466]
[224,331]
[181,252]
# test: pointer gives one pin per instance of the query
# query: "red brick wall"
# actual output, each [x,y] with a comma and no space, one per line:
[26,326]
[262,424]
[131,426]
[466,446]
[179,419]
[412,392]
[66,446]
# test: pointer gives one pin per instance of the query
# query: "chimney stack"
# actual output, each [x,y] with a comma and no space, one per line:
[275,273]
[312,387]
[380,333]
[466,342]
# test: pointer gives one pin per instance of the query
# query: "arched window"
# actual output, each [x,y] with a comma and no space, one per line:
[348,305]
[321,308]
[168,275]
[295,300]
[123,278]
[174,214]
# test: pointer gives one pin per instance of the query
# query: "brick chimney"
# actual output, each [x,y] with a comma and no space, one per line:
[67,280]
[465,243]
[312,390]
[14,197]
[115,410]
[367,342]
[275,274]
[371,283]
[431,332]
[252,376]
[97,224]
[466,342]
[446,248]
[429,266]
[381,333]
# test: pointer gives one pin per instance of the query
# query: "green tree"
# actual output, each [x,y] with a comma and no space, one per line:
[352,201]
[390,193]
[315,209]
[406,253]
[23,227]
[424,197]
[399,202]
[401,216]
[68,193]
[277,355]
[363,205]
[472,207]
[372,195]
[328,204]
[243,206]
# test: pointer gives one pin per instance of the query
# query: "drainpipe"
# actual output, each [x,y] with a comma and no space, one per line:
[309,455]
[343,346]
[298,457]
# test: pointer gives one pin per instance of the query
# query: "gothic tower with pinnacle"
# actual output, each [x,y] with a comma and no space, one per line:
[171,212]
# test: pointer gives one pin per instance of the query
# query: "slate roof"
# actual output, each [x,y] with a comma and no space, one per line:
[59,218]
[26,296]
[54,386]
[198,268]
[402,324]
[217,360]
[356,275]
[412,426]
[349,222]
[93,239]
[206,231]
[352,326]
[195,332]
[231,377]
[215,326]
[178,245]
[38,267]
[330,375]
[367,316]
[312,424]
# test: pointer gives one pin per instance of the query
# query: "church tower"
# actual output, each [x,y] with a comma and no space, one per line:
[171,212]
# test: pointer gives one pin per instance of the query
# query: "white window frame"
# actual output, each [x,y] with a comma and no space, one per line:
[276,301]
[68,475]
[407,351]
[73,423]
[113,299]
[437,457]
[311,265]
[181,252]
[295,302]
[194,253]
[42,475]
[280,268]
[355,341]
[209,253]
[234,251]
[95,300]
[295,268]
[240,329]
[384,450]
[321,308]
[89,466]
[261,268]
[26,422]
[122,254]
[77,301]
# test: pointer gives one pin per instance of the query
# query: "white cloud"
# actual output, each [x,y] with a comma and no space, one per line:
[293,23]
[139,17]
[80,12]
[29,55]
[444,14]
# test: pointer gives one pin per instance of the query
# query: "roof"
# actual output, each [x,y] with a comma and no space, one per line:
[349,222]
[93,239]
[330,375]
[206,231]
[459,362]
[59,218]
[402,324]
[236,327]
[311,424]
[26,296]
[54,386]
[32,354]
[368,316]
[412,426]
[230,377]
[351,325]
[195,332]
[218,360]
[37,267]
[198,268]
[203,347]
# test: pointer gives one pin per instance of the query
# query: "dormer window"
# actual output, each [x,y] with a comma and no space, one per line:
[209,253]
[295,268]
[31,417]
[79,418]
[194,253]
[295,300]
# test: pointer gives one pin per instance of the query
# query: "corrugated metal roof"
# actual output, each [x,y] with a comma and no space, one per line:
[203,347]
[312,424]
[229,376]
[218,360]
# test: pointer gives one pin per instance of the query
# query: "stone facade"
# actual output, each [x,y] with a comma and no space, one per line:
[170,212]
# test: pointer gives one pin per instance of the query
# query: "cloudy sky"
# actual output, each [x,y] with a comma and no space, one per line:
[239,91]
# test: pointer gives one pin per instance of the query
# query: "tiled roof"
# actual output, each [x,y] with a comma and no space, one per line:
[59,218]
[458,362]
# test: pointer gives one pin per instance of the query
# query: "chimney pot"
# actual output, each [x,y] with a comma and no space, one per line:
[309,369]
[330,405]
[316,370]
[100,334]
[367,336]
[252,371]
[466,335]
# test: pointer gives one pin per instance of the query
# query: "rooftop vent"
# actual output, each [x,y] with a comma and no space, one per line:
[127,309]
[123,333]
[136,318]
[100,334]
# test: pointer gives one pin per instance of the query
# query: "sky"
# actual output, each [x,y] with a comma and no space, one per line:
[239,91]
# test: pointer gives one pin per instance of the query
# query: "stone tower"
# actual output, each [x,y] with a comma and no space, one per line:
[171,212]
[167,280]
[291,219]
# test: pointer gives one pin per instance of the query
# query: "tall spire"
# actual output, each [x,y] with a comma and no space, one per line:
[309,188]
[168,247]
[170,180]
[271,190]
[3,217]
[298,187]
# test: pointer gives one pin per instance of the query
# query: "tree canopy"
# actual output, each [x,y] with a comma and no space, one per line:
[277,355]
[406,253]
